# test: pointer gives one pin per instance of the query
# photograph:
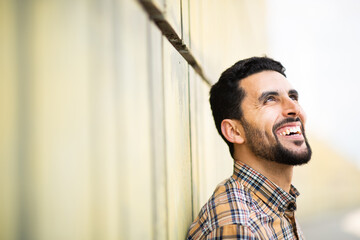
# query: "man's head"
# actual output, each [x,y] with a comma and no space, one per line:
[253,104]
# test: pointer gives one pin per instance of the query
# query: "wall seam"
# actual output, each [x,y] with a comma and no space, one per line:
[164,137]
[191,129]
[25,229]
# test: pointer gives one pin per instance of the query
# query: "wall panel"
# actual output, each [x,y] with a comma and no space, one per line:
[177,142]
[8,122]
[134,124]
[185,21]
[173,15]
[104,160]
[196,29]
[157,100]
[58,122]
[195,124]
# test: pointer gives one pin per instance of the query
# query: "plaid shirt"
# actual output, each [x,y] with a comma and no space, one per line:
[247,206]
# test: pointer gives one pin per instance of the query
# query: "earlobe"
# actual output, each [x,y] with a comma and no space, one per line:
[231,131]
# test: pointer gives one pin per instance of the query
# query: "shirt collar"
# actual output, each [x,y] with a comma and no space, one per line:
[267,191]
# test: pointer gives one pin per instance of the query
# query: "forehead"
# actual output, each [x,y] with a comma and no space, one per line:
[255,84]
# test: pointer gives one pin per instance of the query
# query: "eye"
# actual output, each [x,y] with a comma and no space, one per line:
[270,99]
[294,97]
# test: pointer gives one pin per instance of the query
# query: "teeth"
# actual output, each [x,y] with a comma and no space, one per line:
[296,129]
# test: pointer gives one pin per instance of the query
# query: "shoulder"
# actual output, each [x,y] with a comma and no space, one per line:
[229,208]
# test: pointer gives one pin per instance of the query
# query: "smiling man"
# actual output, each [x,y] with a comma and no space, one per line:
[257,113]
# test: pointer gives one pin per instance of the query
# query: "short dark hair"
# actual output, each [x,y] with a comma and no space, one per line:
[226,95]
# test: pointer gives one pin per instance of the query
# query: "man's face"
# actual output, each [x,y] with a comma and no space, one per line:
[273,120]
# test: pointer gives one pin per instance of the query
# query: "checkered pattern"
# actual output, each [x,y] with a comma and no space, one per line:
[247,206]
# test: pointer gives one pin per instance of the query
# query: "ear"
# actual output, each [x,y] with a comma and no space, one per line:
[230,128]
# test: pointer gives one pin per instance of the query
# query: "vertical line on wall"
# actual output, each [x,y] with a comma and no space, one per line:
[156,105]
[190,122]
[181,20]
[167,234]
[93,126]
[164,137]
[190,145]
[23,40]
[116,63]
[154,193]
[120,102]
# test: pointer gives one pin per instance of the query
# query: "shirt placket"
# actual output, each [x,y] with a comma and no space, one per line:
[289,214]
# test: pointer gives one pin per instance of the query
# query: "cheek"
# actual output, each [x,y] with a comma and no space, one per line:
[303,116]
[268,129]
[268,121]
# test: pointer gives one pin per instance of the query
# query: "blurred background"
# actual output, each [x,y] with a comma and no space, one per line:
[105,127]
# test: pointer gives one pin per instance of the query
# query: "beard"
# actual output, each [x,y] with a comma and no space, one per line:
[275,152]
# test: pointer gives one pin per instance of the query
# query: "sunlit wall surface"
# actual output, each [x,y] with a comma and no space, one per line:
[106,131]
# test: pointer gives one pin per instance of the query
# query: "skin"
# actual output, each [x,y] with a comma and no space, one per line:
[268,101]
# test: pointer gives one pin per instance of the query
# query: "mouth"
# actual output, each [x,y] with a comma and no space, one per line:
[290,131]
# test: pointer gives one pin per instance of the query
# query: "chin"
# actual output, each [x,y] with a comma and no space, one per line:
[290,157]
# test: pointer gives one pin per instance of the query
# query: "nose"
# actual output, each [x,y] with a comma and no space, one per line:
[291,108]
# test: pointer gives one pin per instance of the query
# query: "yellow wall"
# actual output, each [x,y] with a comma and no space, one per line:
[106,130]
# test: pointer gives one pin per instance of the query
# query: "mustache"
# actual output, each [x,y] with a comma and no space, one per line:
[287,120]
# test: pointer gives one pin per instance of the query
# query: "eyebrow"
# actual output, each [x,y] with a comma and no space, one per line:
[293,91]
[264,95]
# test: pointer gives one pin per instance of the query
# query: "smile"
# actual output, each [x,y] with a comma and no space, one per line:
[289,131]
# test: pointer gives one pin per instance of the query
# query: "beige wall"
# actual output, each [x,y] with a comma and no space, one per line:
[106,131]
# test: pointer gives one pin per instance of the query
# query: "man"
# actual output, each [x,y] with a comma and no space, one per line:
[257,113]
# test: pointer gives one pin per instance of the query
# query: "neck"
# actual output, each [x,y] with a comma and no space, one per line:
[278,173]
